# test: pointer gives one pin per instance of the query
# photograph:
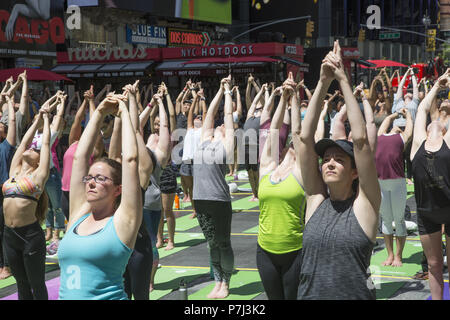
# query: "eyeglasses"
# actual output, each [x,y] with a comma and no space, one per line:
[98,179]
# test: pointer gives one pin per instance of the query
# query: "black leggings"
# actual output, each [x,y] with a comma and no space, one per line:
[139,269]
[279,273]
[65,203]
[25,249]
[3,258]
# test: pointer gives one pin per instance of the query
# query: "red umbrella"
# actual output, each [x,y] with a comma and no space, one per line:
[32,75]
[384,63]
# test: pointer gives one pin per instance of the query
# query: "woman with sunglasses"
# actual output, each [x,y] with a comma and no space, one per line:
[430,156]
[282,203]
[105,213]
[25,206]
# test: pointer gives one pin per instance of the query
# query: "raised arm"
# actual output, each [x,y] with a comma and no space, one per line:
[420,123]
[75,130]
[228,119]
[145,162]
[270,157]
[368,116]
[368,199]
[115,145]
[266,114]
[255,102]
[208,119]
[80,166]
[24,100]
[128,216]
[26,141]
[162,152]
[12,133]
[313,184]
[43,170]
[386,123]
[57,123]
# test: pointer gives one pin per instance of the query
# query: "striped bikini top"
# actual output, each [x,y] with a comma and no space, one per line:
[22,188]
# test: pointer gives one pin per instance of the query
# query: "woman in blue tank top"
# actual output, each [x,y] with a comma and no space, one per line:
[105,213]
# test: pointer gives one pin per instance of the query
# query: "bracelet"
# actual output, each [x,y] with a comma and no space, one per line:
[228,92]
[203,98]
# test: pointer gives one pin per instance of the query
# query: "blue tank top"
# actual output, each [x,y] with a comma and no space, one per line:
[92,266]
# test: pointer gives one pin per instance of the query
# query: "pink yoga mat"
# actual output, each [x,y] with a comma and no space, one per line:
[52,288]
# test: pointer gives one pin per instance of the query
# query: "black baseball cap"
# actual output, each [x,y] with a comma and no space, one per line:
[346,146]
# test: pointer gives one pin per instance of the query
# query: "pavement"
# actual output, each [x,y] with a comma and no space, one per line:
[189,260]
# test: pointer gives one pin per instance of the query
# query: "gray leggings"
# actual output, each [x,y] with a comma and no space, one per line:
[214,218]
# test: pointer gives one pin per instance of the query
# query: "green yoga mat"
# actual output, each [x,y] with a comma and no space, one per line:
[182,241]
[184,223]
[168,279]
[244,285]
[244,204]
[252,230]
[386,288]
[412,255]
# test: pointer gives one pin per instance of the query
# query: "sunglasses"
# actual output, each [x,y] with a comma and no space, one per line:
[98,179]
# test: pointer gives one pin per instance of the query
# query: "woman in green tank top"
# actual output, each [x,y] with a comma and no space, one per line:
[282,206]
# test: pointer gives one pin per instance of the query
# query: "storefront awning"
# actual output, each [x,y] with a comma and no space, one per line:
[103,70]
[174,65]
[244,60]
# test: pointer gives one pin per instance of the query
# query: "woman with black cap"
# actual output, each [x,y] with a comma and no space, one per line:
[343,199]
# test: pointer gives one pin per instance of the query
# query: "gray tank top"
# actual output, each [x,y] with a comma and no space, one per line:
[209,171]
[152,197]
[336,255]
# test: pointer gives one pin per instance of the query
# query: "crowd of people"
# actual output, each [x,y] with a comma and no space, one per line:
[325,169]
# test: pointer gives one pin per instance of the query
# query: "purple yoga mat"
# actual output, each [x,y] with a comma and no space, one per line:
[52,288]
[446,293]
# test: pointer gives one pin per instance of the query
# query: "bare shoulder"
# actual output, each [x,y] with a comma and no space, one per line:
[312,203]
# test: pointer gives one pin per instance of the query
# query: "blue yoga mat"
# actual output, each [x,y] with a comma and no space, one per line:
[446,293]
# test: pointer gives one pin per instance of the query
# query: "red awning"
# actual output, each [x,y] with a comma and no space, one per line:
[384,63]
[32,75]
[232,60]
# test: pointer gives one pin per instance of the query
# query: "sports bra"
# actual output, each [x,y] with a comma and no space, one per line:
[22,188]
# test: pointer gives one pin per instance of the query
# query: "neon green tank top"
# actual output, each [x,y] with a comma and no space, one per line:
[281,218]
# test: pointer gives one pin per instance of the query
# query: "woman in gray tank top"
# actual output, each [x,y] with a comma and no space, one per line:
[342,215]
[211,192]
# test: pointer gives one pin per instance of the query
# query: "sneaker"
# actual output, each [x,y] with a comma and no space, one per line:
[52,248]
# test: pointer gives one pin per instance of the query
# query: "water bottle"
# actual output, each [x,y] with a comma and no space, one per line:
[183,294]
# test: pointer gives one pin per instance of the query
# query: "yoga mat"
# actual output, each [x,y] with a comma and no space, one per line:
[182,241]
[11,280]
[52,288]
[244,203]
[252,230]
[412,255]
[168,279]
[446,292]
[386,288]
[184,223]
[244,285]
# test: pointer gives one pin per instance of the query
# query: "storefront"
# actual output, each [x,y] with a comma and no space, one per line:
[175,66]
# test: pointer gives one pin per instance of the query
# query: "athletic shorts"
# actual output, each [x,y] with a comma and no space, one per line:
[432,222]
[168,183]
[186,169]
